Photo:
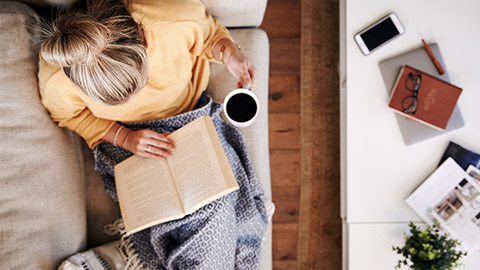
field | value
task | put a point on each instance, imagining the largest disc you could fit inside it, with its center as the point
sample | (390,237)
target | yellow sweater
(180,37)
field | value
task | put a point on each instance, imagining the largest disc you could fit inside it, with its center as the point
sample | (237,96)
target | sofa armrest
(255,45)
(244,13)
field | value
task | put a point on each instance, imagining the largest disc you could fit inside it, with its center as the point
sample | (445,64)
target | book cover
(424,98)
(418,58)
(463,156)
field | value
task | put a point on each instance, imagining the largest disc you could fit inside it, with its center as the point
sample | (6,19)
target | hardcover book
(151,192)
(423,98)
(463,156)
(418,58)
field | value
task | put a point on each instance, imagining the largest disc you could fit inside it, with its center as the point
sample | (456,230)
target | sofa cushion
(101,209)
(42,194)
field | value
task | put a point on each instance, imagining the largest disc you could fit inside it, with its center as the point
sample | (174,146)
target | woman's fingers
(154,152)
(253,75)
(160,148)
(157,152)
(248,77)
(162,144)
(242,69)
(148,143)
(159,144)
(160,140)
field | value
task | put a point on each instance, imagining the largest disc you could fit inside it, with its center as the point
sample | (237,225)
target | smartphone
(379,33)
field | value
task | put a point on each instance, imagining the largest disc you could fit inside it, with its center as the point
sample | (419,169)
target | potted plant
(429,250)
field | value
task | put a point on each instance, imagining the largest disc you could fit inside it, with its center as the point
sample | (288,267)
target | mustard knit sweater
(180,37)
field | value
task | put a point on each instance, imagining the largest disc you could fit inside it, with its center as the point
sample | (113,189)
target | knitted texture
(224,234)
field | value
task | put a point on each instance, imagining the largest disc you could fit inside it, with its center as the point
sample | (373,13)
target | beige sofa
(52,203)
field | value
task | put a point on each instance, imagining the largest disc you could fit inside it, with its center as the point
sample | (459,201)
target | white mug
(241,107)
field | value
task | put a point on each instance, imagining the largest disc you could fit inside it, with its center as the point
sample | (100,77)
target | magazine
(451,197)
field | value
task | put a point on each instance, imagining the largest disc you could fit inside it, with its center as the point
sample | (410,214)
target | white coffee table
(378,170)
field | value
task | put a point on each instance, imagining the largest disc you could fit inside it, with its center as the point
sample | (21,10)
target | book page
(146,193)
(198,174)
(452,198)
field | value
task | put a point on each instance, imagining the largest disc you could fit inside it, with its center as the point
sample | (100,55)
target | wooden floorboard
(282,24)
(304,133)
(284,55)
(285,247)
(284,92)
(319,242)
(287,166)
(282,19)
(284,130)
(286,200)
(284,264)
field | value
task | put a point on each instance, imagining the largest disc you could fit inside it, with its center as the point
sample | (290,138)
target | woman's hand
(148,143)
(239,66)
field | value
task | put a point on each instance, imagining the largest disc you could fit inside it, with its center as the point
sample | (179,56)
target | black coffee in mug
(241,107)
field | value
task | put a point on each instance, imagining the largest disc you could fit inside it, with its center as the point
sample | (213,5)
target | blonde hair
(100,49)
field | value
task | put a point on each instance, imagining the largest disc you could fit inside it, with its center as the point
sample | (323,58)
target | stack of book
(451,196)
(432,94)
(423,98)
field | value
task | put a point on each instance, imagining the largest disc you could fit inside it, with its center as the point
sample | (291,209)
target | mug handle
(245,86)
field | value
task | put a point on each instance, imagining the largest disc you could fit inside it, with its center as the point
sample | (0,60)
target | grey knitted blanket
(225,234)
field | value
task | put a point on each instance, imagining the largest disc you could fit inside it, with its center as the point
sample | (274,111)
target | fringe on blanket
(115,255)
(128,253)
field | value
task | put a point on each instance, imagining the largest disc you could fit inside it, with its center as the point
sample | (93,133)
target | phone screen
(379,34)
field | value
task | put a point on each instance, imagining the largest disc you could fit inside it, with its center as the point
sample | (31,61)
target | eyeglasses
(413,82)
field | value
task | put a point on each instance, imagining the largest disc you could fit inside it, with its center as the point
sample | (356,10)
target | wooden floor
(304,133)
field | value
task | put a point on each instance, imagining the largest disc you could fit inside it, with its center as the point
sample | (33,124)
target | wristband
(125,139)
(116,135)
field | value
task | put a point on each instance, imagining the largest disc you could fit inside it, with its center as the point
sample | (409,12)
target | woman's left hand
(239,66)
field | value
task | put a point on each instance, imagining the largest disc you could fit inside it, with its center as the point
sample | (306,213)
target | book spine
(412,118)
(392,91)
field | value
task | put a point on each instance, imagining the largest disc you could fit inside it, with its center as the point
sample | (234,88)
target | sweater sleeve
(59,96)
(217,32)
(91,128)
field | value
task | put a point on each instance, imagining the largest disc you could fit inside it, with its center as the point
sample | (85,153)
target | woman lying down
(123,75)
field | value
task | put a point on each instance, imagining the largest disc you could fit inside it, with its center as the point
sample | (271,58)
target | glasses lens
(409,105)
(413,82)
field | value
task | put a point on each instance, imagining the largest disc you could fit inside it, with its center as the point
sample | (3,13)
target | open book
(151,192)
(451,197)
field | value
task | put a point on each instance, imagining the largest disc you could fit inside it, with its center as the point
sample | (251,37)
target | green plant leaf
(428,249)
